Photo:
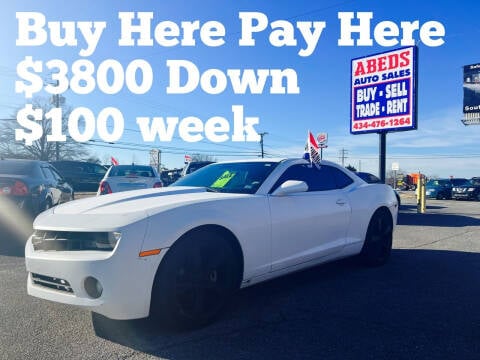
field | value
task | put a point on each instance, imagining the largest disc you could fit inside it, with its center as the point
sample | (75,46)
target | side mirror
(291,187)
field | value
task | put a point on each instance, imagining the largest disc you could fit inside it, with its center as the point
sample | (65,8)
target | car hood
(113,211)
(434,187)
(466,186)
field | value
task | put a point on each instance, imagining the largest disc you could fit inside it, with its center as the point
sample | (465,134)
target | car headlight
(48,240)
(471,189)
(108,243)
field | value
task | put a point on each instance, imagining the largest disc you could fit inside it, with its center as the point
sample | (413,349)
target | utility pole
(57,100)
(155,159)
(343,155)
(261,142)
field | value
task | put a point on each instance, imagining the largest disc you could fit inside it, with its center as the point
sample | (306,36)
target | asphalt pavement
(424,304)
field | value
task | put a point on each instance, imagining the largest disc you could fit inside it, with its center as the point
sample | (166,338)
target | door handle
(341,202)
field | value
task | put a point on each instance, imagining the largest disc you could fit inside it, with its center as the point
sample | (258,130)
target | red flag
(312,148)
(113,161)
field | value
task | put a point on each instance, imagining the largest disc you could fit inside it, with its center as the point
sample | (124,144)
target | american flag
(113,161)
(312,149)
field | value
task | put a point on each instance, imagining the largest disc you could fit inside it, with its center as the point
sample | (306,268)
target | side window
(48,173)
(342,180)
(317,179)
(84,168)
(294,172)
(99,169)
(56,175)
(322,179)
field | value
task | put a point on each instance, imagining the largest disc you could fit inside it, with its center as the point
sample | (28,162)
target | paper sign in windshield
(223,180)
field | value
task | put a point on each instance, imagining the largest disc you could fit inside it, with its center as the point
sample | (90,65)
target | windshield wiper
(211,189)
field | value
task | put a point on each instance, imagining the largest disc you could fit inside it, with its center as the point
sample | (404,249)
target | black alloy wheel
(194,281)
(378,240)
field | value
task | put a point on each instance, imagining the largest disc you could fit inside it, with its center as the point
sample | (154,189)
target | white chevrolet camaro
(179,253)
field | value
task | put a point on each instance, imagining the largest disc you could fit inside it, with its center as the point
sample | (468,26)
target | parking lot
(424,304)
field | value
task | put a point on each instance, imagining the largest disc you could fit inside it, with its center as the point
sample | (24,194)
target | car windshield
(437,182)
(475,182)
(242,178)
(16,167)
(132,170)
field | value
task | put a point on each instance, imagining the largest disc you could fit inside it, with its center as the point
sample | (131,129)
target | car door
(308,225)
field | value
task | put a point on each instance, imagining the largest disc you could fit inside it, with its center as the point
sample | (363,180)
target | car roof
(279,160)
(127,166)
(25,162)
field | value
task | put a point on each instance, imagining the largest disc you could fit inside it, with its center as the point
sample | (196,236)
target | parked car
(179,253)
(372,179)
(194,166)
(170,176)
(82,175)
(442,188)
(34,186)
(468,191)
(129,177)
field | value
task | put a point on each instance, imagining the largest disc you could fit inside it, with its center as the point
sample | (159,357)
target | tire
(378,240)
(47,205)
(195,281)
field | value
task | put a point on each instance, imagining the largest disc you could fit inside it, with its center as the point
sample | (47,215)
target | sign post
(395,168)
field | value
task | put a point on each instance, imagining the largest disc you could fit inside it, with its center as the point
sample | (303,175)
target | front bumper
(125,277)
(431,195)
(464,196)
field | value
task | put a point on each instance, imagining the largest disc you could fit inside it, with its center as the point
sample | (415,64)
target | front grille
(52,283)
(72,241)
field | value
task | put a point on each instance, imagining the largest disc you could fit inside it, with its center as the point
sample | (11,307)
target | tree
(351,168)
(93,159)
(203,157)
(40,149)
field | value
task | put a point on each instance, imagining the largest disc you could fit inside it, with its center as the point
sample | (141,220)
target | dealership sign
(322,139)
(471,94)
(383,92)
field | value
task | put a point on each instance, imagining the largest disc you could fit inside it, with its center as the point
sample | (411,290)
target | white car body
(277,235)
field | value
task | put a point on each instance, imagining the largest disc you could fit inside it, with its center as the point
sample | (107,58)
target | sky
(441,146)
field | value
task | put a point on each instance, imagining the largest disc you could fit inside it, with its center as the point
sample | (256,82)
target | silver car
(129,177)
